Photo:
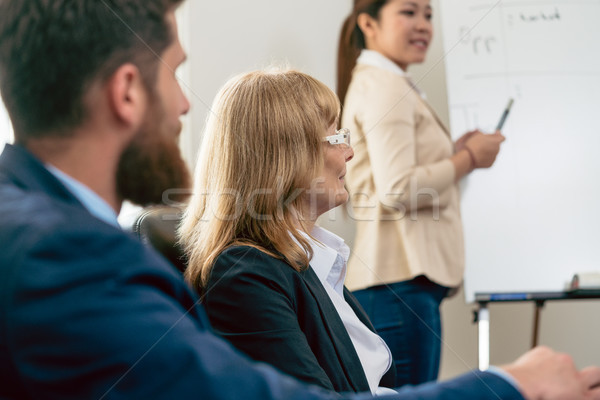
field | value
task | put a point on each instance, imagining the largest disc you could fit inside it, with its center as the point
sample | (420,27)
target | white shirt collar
(325,251)
(90,200)
(376,59)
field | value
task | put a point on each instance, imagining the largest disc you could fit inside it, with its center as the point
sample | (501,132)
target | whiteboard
(533,219)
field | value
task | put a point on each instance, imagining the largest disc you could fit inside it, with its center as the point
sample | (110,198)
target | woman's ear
(128,97)
(367,24)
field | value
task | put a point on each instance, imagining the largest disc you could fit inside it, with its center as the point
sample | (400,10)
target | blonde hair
(262,146)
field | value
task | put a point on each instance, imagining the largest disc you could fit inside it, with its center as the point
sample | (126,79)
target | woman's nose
(349,153)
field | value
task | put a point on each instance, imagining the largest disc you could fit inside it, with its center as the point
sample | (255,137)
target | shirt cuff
(504,375)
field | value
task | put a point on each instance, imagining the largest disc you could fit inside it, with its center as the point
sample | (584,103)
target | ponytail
(352,41)
(347,54)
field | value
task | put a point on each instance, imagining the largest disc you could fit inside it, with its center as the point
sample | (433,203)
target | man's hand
(544,374)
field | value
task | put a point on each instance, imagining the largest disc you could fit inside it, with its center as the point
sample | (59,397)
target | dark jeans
(407,316)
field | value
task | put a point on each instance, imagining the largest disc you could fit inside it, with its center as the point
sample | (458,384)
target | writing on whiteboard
(480,43)
(483,43)
(541,16)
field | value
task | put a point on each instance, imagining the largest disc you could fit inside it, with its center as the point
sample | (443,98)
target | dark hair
(352,41)
(51,51)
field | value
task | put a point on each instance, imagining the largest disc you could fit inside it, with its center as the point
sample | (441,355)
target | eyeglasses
(342,136)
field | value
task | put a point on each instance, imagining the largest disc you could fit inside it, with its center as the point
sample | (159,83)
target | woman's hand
(475,149)
(460,143)
(482,147)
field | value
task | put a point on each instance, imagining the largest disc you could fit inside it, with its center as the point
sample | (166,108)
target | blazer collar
(23,168)
(389,378)
(358,310)
(438,120)
(374,59)
(339,336)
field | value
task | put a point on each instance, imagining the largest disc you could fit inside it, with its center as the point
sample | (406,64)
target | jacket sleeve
(474,385)
(79,330)
(88,316)
(250,302)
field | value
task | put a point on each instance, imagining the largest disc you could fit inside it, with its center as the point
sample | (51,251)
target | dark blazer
(87,312)
(283,317)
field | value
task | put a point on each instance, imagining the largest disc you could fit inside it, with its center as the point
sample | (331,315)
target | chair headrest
(157,226)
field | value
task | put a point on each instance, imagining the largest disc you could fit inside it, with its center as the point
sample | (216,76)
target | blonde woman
(270,164)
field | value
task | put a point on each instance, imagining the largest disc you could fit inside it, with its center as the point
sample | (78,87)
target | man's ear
(366,23)
(128,96)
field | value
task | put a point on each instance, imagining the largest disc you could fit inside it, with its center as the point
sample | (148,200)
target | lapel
(437,119)
(358,310)
(426,105)
(389,378)
(27,172)
(337,332)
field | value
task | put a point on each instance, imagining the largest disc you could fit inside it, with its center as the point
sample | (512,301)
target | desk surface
(537,296)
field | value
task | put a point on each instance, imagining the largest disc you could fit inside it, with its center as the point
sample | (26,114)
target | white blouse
(330,256)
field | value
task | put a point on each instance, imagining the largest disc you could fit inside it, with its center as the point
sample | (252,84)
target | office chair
(157,226)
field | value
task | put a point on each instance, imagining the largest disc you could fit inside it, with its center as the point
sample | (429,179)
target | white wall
(231,37)
(5,127)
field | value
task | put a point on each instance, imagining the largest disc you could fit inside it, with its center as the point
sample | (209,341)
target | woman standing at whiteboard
(408,250)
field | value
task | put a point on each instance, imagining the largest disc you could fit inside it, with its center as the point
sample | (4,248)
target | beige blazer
(401,181)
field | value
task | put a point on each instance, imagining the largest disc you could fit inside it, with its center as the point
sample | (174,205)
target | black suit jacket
(283,317)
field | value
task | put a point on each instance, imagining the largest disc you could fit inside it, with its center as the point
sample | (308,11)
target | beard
(151,169)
